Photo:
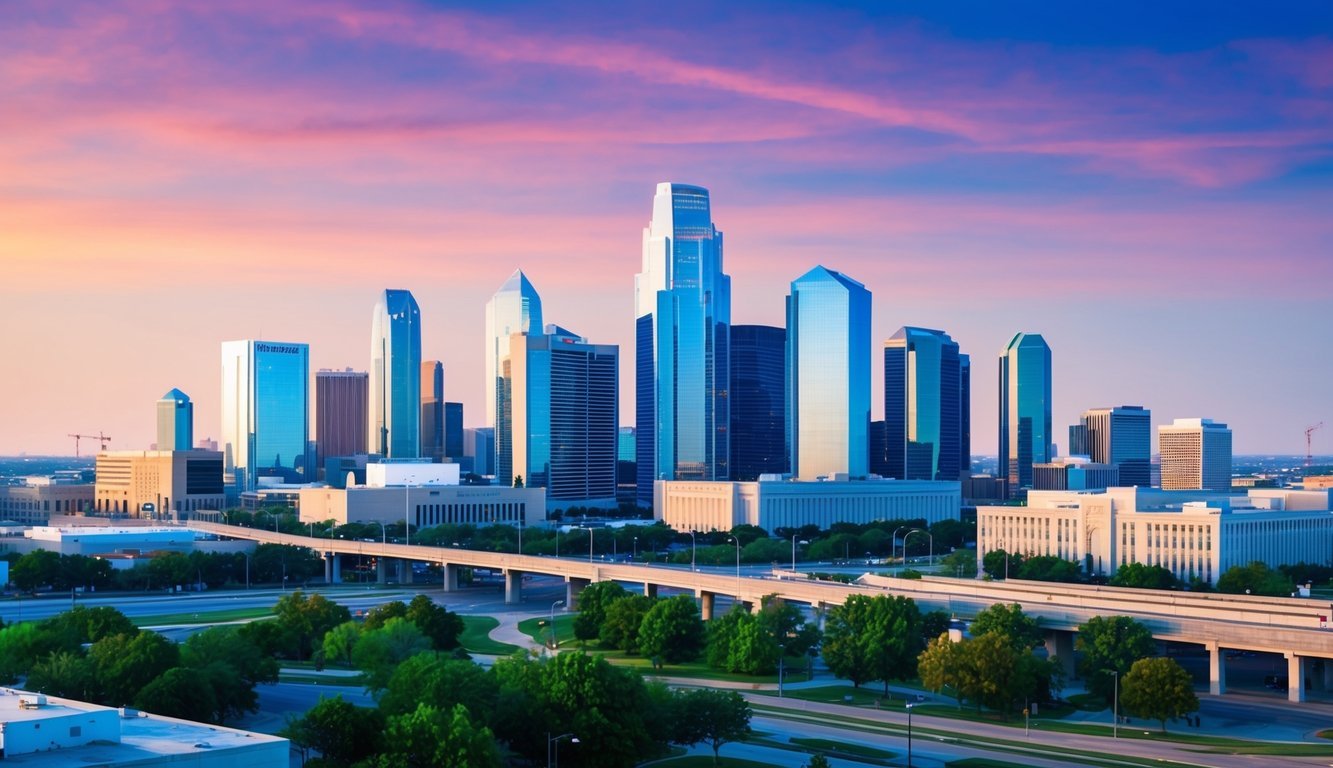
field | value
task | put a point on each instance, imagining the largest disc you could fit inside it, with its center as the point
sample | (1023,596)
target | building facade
(924,403)
(1074,473)
(772,504)
(175,422)
(342,411)
(828,375)
(453,431)
(758,401)
(479,445)
(1120,436)
(682,301)
(425,506)
(1025,410)
(1196,454)
(395,376)
(432,410)
(964,415)
(162,485)
(37,499)
(265,411)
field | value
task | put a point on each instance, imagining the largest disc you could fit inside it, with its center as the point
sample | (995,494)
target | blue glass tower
(395,376)
(758,401)
(964,415)
(828,375)
(1025,410)
(265,411)
(175,422)
(923,405)
(682,301)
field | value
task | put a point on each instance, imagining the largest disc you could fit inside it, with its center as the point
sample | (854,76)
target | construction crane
(99,437)
(1310,430)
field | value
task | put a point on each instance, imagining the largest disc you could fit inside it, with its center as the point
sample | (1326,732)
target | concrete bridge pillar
(573,588)
(328,567)
(1217,668)
(650,590)
(1060,646)
(1327,665)
(404,571)
(450,573)
(337,561)
(381,570)
(1295,678)
(705,604)
(513,587)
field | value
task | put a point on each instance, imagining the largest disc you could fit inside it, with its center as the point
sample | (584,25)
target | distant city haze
(1149,194)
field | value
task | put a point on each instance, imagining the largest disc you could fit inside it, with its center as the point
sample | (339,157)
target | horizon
(1148,191)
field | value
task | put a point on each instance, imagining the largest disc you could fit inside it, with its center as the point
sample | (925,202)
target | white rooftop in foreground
(63,733)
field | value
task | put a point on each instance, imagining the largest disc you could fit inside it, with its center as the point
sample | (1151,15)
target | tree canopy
(1110,644)
(1158,689)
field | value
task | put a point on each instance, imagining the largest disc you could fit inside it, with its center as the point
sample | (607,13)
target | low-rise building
(108,540)
(1193,534)
(159,484)
(425,506)
(33,502)
(51,732)
(773,502)
(1074,473)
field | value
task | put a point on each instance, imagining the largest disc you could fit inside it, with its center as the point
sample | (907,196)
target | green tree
(592,604)
(22,644)
(377,616)
(993,563)
(92,624)
(380,651)
(940,666)
(67,674)
(875,638)
(441,626)
(1110,644)
(518,481)
(308,618)
(1255,578)
(961,563)
(442,682)
(231,665)
(1048,568)
(126,664)
(340,642)
(1158,689)
(429,737)
(934,624)
(1010,621)
(818,761)
(785,625)
(1140,576)
(39,568)
(672,631)
(711,716)
(180,692)
(623,619)
(341,732)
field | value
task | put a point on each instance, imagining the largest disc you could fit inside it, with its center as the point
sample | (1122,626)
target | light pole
(737,542)
(553,747)
(895,543)
(554,605)
(694,549)
(635,557)
(407,518)
(910,706)
(793,549)
(1115,705)
(247,569)
(589,530)
(932,543)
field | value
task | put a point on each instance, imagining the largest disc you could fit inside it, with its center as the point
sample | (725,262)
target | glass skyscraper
(924,403)
(515,308)
(965,416)
(432,410)
(758,401)
(175,422)
(828,375)
(1025,409)
(265,411)
(1121,436)
(682,310)
(341,413)
(395,376)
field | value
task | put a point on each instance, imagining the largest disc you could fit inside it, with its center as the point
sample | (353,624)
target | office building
(682,310)
(424,506)
(515,308)
(924,403)
(432,410)
(1120,436)
(160,485)
(828,375)
(879,448)
(1025,410)
(395,376)
(265,411)
(453,431)
(479,445)
(773,504)
(38,498)
(175,422)
(1193,534)
(342,412)
(1196,454)
(559,428)
(758,401)
(964,415)
(1078,440)
(1074,473)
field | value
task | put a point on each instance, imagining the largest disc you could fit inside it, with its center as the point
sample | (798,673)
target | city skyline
(1148,194)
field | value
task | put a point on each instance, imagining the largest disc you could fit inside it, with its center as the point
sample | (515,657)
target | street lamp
(737,542)
(895,542)
(1115,705)
(589,530)
(694,549)
(247,569)
(553,747)
(635,557)
(910,706)
(793,548)
(407,517)
(554,605)
(932,543)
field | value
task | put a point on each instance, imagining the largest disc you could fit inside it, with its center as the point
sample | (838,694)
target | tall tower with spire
(395,376)
(515,308)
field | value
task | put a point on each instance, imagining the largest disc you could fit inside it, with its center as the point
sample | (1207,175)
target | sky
(1149,186)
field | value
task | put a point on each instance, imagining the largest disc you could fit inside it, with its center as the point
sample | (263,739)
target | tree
(180,692)
(380,651)
(441,626)
(818,761)
(22,644)
(1110,644)
(940,666)
(126,664)
(377,616)
(1255,578)
(518,481)
(934,624)
(429,737)
(1158,689)
(340,642)
(1140,576)
(67,674)
(623,618)
(1048,568)
(961,563)
(592,604)
(711,716)
(231,665)
(308,618)
(341,732)
(672,630)
(442,682)
(38,568)
(1010,621)
(993,563)
(875,638)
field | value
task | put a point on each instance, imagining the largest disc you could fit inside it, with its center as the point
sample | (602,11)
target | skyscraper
(828,375)
(265,411)
(479,445)
(515,308)
(924,405)
(453,431)
(758,401)
(395,376)
(1196,455)
(175,422)
(1025,409)
(432,410)
(1121,436)
(341,413)
(964,416)
(682,310)
(562,417)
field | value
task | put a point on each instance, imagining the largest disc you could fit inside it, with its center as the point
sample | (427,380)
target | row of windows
(480,512)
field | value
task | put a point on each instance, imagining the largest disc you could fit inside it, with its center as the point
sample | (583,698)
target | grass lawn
(205,617)
(1325,734)
(535,628)
(706,761)
(476,637)
(873,697)
(842,749)
(690,669)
